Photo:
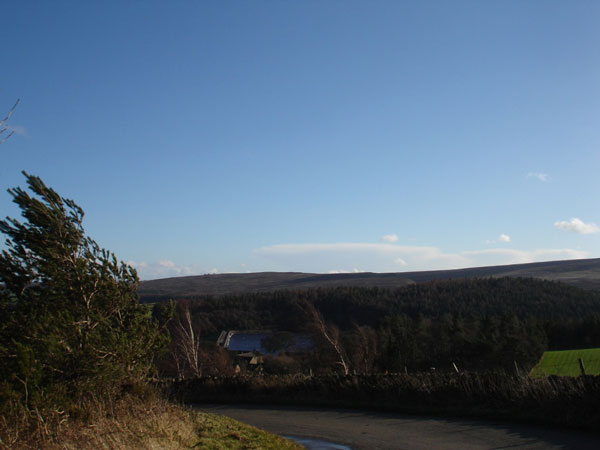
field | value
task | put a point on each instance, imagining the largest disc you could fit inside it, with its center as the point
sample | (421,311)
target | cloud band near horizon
(360,257)
(385,257)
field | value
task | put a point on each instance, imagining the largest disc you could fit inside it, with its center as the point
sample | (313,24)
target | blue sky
(330,136)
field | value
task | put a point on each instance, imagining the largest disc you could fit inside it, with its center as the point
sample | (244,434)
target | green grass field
(566,363)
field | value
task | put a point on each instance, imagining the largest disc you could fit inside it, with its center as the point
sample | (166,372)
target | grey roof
(251,341)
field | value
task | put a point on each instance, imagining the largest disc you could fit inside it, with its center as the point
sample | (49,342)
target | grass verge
(134,424)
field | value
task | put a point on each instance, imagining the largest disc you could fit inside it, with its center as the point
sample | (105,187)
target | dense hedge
(562,401)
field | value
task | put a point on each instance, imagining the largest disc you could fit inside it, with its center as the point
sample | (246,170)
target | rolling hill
(584,273)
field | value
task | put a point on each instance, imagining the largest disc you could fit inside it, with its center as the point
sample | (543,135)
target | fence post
(581,366)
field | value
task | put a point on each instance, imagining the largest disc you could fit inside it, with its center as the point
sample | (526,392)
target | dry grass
(132,424)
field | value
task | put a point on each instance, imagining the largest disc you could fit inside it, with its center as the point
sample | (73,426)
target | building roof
(251,341)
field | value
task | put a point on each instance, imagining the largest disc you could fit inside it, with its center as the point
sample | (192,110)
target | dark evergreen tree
(70,321)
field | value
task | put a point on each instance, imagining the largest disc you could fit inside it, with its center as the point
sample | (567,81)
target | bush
(280,365)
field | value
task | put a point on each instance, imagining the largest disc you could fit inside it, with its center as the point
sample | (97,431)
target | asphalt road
(372,430)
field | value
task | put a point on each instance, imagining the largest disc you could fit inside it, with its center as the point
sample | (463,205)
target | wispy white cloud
(361,257)
(167,264)
(389,238)
(538,175)
(393,258)
(577,226)
(165,269)
(355,270)
(501,256)
(347,256)
(16,129)
(502,238)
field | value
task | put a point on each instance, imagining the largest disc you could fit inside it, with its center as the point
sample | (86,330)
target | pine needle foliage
(70,322)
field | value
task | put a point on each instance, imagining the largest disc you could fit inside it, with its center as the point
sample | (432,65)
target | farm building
(263,342)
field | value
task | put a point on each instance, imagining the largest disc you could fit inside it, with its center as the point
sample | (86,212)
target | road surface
(367,430)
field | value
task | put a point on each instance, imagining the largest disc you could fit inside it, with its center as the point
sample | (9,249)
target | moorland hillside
(584,273)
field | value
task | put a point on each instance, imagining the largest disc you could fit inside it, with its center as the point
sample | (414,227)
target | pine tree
(70,320)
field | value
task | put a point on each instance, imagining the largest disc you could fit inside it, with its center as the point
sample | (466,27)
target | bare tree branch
(328,332)
(188,341)
(3,126)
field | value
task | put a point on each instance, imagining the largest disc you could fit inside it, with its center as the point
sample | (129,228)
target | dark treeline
(476,324)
